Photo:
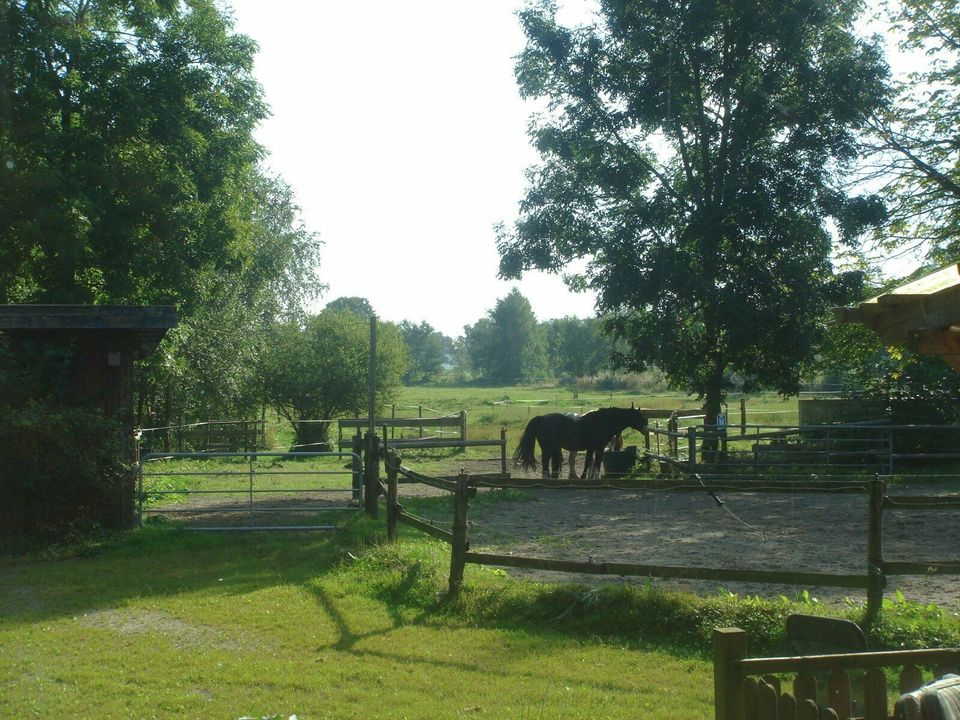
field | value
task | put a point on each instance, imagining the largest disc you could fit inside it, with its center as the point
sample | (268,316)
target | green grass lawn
(165,623)
(161,622)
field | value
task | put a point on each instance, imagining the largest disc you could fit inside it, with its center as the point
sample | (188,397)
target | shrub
(61,467)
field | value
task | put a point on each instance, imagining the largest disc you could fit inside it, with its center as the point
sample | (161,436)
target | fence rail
(872,579)
(819,449)
(748,688)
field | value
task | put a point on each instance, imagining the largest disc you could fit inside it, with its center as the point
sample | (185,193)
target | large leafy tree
(508,345)
(129,174)
(427,348)
(319,370)
(577,346)
(918,138)
(692,152)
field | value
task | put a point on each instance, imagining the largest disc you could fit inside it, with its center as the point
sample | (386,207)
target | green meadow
(163,622)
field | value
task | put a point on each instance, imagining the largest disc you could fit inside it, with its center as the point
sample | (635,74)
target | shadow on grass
(170,561)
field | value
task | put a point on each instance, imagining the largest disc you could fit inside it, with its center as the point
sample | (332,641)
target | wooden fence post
(503,451)
(458,552)
(463,429)
(743,416)
(356,448)
(392,461)
(875,574)
(692,448)
(729,647)
(371,473)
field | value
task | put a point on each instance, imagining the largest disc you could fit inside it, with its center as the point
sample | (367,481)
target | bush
(61,467)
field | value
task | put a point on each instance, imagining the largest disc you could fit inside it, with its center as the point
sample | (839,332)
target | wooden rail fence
(872,579)
(752,689)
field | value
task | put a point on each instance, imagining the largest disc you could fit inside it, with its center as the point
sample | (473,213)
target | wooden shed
(923,315)
(104,341)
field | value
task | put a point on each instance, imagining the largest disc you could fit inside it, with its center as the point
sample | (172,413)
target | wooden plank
(445,421)
(875,564)
(805,687)
(787,707)
(685,484)
(441,443)
(661,414)
(935,282)
(767,700)
(750,692)
(864,661)
(940,341)
(932,567)
(875,694)
(729,648)
(690,573)
(838,692)
(423,526)
(922,502)
(911,677)
(808,710)
(461,502)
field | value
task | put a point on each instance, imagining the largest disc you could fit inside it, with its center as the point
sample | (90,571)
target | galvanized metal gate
(240,491)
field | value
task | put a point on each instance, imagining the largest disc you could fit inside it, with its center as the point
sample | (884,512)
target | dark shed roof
(147,323)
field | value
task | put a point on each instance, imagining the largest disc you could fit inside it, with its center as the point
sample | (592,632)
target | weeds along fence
(872,580)
(873,447)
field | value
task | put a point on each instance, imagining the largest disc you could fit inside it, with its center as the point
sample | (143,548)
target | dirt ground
(824,533)
(760,531)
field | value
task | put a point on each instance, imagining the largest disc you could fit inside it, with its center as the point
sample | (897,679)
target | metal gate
(241,491)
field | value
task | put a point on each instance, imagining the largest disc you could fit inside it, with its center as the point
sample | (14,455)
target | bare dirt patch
(804,532)
(800,532)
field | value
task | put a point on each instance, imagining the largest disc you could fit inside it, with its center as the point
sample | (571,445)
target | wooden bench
(748,688)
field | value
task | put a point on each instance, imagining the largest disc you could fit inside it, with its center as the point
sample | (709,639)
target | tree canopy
(319,370)
(508,345)
(427,349)
(692,153)
(129,174)
(918,136)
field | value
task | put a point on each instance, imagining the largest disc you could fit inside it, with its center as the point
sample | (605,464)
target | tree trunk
(713,399)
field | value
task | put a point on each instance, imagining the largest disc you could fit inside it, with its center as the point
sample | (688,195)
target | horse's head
(638,421)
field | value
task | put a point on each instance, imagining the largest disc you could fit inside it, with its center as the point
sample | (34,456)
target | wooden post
(646,448)
(357,467)
(729,647)
(743,416)
(875,575)
(463,428)
(458,552)
(503,451)
(392,460)
(371,474)
(692,448)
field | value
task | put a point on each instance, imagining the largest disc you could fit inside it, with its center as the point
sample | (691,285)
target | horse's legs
(572,470)
(587,459)
(558,462)
(545,458)
(597,464)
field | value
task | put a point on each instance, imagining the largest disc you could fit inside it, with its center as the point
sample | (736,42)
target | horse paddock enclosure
(798,533)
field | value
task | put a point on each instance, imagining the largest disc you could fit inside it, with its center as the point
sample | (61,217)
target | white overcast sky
(399,126)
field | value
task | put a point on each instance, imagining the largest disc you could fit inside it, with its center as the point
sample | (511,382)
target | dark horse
(590,432)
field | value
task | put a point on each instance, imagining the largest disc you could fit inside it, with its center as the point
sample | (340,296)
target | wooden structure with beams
(923,315)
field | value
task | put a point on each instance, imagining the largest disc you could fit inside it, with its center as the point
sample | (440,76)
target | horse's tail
(525,448)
